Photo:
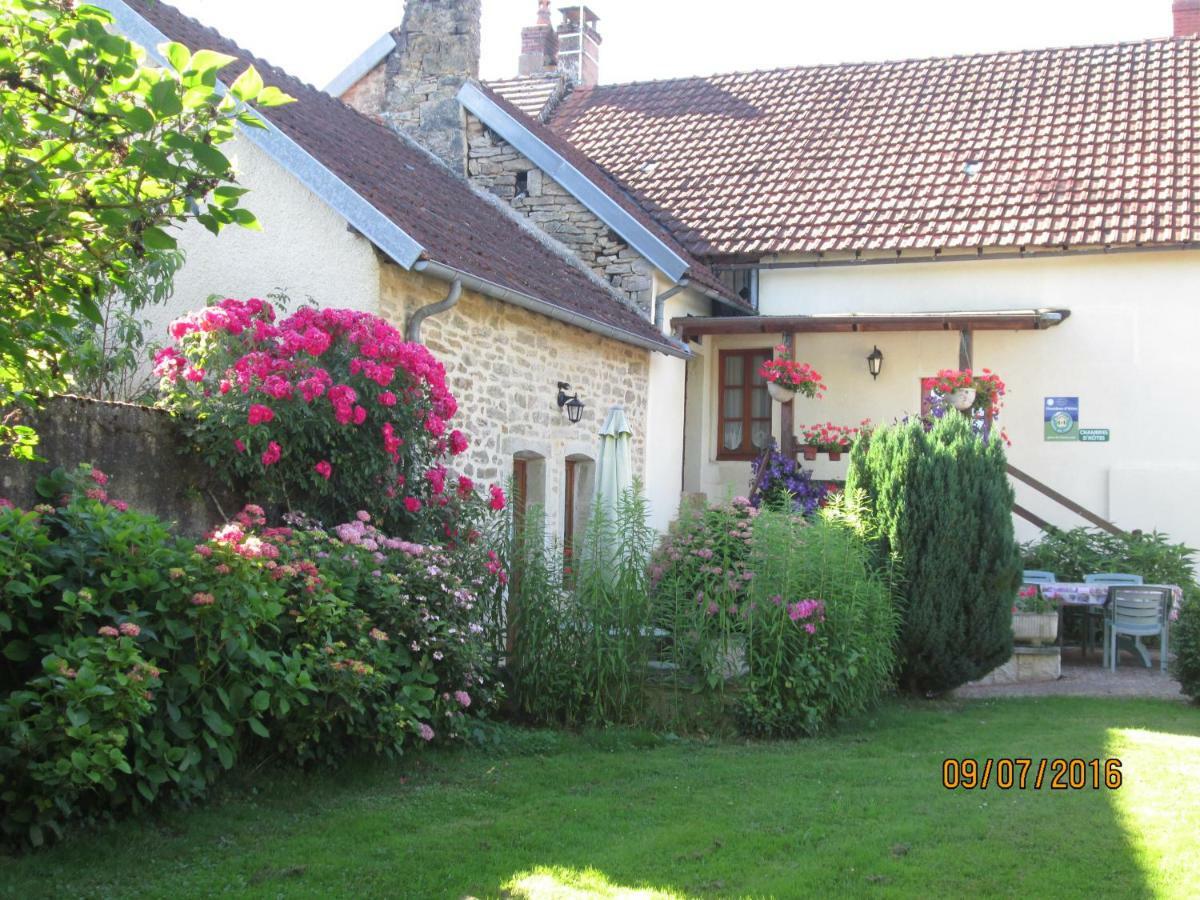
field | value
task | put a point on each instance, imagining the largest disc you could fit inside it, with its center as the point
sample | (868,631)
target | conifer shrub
(941,507)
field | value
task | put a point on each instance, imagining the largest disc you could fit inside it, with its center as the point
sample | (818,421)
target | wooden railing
(1061,499)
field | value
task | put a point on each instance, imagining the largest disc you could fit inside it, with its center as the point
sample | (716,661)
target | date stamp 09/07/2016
(1007,774)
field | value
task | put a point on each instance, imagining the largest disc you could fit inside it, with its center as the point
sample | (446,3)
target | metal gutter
(385,234)
(660,302)
(363,63)
(689,327)
(412,333)
(579,185)
(666,346)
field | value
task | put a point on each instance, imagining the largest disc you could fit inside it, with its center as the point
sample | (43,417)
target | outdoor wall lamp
(573,404)
(875,362)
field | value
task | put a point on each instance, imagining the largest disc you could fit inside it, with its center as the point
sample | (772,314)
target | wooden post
(787,412)
(966,348)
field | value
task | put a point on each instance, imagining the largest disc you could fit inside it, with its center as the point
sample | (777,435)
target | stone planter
(1035,628)
(962,399)
(779,393)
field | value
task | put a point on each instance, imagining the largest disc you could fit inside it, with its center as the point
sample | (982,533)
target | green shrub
(784,619)
(820,628)
(941,505)
(1072,554)
(138,666)
(1185,643)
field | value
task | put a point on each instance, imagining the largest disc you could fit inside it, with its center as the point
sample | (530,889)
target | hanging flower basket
(786,378)
(779,393)
(962,399)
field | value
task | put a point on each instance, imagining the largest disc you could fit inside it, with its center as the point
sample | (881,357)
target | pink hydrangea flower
(425,732)
(498,498)
(108,631)
(130,630)
(387,398)
(412,504)
(463,698)
(203,599)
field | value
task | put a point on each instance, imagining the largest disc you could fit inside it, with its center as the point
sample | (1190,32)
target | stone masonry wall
(140,449)
(493,164)
(414,90)
(504,363)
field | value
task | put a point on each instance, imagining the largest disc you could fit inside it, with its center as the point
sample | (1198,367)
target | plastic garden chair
(1093,625)
(1136,612)
(1037,576)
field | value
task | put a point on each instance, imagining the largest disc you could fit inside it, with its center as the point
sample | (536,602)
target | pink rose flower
(324,469)
(260,414)
(412,504)
(271,455)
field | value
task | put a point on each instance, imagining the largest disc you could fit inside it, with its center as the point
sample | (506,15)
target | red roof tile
(1085,145)
(456,225)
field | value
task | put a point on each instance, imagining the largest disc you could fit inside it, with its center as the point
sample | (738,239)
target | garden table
(1081,594)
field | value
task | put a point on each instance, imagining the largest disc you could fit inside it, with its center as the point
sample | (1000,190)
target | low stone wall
(141,450)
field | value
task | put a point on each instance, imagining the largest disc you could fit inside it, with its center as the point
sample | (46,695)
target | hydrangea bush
(138,666)
(327,411)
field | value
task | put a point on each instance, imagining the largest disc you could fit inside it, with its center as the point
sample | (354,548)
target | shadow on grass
(862,811)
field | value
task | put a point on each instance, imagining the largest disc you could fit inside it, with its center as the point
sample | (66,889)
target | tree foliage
(99,154)
(942,507)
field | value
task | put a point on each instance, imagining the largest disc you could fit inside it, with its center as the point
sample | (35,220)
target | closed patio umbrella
(614,470)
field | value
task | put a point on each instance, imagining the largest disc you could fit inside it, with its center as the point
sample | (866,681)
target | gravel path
(1086,678)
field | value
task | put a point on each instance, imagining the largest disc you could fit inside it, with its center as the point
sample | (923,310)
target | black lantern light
(572,403)
(875,362)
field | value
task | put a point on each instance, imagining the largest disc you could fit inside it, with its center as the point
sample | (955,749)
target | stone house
(356,214)
(1030,212)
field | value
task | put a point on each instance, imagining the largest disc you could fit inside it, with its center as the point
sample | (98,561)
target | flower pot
(963,398)
(1035,628)
(779,393)
(809,451)
(834,455)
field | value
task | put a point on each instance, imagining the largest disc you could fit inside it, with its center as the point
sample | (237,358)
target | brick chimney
(579,45)
(414,89)
(1187,17)
(539,45)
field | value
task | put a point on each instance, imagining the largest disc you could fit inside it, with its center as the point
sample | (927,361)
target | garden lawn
(861,812)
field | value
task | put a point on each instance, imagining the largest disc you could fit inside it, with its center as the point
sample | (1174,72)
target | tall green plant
(942,505)
(579,648)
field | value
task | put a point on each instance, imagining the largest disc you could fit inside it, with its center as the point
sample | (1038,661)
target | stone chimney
(539,45)
(579,45)
(1187,17)
(413,91)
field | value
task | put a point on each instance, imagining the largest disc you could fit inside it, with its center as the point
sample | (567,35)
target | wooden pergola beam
(690,327)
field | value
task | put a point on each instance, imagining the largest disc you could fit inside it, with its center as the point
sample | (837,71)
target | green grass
(861,812)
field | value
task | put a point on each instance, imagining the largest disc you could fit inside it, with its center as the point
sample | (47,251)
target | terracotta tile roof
(456,225)
(1077,146)
(698,272)
(534,95)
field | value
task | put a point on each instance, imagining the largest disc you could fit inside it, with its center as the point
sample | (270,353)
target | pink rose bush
(326,410)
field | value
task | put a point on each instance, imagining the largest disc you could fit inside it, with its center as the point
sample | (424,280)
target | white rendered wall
(665,414)
(304,249)
(1129,352)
